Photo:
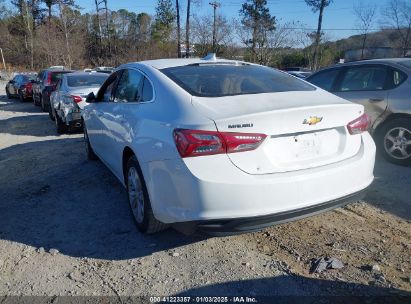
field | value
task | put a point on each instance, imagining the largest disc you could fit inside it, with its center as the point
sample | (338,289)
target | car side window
(396,78)
(147,94)
(325,79)
(106,91)
(130,86)
(364,78)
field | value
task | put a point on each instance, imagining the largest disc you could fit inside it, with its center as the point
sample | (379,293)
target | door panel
(115,121)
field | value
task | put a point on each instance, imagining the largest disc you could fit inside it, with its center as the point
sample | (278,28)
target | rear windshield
(29,77)
(86,80)
(56,76)
(217,80)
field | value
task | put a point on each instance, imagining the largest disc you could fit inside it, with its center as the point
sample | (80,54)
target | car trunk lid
(304,129)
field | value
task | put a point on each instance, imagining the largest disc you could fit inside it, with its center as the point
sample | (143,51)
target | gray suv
(383,86)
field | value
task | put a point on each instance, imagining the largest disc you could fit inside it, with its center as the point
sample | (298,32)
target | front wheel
(394,141)
(8,93)
(139,200)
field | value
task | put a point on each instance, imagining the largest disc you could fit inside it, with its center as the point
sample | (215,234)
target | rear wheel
(139,200)
(89,150)
(394,141)
(61,127)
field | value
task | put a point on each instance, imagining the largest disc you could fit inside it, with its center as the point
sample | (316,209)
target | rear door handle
(376,99)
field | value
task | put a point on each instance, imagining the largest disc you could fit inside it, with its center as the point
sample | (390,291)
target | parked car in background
(45,84)
(107,70)
(69,98)
(21,86)
(383,87)
(226,146)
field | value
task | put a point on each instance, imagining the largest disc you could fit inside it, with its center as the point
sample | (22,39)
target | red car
(21,86)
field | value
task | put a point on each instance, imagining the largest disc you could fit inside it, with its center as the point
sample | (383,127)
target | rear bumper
(197,190)
(241,225)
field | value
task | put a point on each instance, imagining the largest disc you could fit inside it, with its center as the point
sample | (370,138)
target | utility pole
(214,4)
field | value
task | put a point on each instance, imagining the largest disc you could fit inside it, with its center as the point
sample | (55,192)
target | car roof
(169,63)
(371,61)
(81,73)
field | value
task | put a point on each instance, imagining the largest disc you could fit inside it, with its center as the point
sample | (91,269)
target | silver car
(383,86)
(70,97)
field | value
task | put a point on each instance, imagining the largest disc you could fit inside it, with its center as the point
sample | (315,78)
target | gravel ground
(65,229)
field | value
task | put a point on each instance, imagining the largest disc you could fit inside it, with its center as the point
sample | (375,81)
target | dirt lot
(65,229)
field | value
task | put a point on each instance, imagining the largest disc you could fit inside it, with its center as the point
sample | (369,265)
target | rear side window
(147,94)
(217,80)
(398,77)
(364,78)
(324,79)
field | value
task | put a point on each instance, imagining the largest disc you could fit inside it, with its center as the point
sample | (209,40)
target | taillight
(77,99)
(191,143)
(359,124)
(29,86)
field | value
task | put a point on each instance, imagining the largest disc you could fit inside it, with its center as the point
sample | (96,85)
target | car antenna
(210,57)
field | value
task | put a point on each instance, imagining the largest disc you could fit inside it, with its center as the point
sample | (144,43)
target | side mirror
(91,98)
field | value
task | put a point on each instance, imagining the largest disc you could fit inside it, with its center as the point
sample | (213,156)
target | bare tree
(178,30)
(203,38)
(188,29)
(365,13)
(318,6)
(397,15)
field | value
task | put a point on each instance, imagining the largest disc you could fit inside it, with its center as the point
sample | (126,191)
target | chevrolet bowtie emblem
(313,120)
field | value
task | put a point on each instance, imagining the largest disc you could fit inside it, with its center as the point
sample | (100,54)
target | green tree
(256,18)
(164,21)
(318,6)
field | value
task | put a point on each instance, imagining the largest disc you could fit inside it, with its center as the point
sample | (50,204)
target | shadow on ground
(299,289)
(53,197)
(15,105)
(390,190)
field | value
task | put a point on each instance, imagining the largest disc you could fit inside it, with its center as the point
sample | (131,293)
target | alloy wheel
(135,194)
(397,143)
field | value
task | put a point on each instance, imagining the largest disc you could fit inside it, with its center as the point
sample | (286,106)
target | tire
(61,127)
(43,105)
(8,94)
(52,114)
(36,102)
(89,150)
(139,200)
(21,96)
(394,141)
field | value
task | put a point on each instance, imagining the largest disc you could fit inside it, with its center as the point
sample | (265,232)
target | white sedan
(226,146)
